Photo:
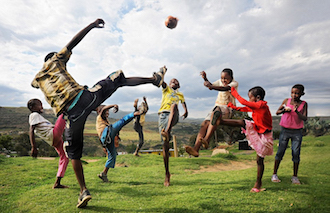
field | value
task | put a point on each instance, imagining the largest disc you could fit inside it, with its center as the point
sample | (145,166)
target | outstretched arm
(34,150)
(209,85)
(98,23)
(104,109)
(185,115)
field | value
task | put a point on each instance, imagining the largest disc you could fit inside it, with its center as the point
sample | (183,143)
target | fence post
(175,147)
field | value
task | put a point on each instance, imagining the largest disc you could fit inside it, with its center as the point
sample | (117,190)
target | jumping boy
(66,96)
(169,117)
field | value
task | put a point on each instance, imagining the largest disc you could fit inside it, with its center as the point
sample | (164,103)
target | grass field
(197,184)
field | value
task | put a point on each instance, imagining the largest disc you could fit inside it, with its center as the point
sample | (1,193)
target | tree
(316,126)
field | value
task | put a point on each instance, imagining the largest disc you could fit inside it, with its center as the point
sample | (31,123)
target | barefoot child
(108,133)
(50,133)
(169,117)
(259,131)
(294,112)
(139,122)
(220,109)
(66,96)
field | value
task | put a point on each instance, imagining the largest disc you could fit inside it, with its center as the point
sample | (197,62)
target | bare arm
(34,150)
(109,107)
(282,109)
(145,101)
(185,115)
(98,23)
(303,115)
(209,85)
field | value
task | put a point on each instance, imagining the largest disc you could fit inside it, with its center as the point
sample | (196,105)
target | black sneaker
(83,199)
(159,76)
(103,177)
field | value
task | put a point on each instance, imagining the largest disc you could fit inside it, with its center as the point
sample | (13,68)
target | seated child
(168,117)
(50,133)
(220,109)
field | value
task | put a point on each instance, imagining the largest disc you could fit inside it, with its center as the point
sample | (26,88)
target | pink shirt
(290,119)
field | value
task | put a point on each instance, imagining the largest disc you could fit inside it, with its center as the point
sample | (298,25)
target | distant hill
(15,119)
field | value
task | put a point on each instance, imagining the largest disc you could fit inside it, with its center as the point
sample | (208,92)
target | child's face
(225,78)
(252,97)
(174,84)
(38,107)
(296,94)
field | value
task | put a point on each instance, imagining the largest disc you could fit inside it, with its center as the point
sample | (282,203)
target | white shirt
(43,127)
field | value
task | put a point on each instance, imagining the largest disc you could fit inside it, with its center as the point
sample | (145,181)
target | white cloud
(275,44)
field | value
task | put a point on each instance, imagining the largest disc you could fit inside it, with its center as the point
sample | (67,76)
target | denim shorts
(163,121)
(88,101)
(296,138)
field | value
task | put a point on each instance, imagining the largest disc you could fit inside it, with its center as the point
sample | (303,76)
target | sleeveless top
(290,119)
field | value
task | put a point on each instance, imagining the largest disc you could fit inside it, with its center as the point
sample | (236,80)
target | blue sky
(273,44)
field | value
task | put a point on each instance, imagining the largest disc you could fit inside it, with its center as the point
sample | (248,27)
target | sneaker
(275,179)
(103,177)
(295,180)
(159,76)
(83,199)
(118,74)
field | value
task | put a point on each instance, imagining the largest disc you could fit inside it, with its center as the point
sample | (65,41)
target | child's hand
(99,23)
(115,108)
(184,116)
(203,74)
(144,99)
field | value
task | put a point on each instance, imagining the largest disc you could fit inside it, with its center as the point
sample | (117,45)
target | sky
(274,44)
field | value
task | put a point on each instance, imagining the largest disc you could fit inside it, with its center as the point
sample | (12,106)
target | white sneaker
(275,179)
(295,180)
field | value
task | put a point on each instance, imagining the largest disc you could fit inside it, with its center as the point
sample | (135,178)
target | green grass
(26,184)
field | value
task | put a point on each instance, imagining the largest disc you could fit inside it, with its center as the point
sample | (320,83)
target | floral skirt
(261,143)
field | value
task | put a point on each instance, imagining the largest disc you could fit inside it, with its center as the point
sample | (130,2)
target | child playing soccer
(108,132)
(259,131)
(66,96)
(50,133)
(169,117)
(209,125)
(294,113)
(139,122)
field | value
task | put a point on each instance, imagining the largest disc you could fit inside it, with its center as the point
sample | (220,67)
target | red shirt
(260,112)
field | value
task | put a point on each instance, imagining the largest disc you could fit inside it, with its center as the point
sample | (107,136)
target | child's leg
(282,145)
(62,165)
(228,122)
(260,165)
(117,126)
(172,120)
(296,147)
(112,155)
(157,79)
(58,131)
(166,154)
(214,122)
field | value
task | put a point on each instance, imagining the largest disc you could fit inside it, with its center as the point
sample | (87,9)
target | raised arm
(98,23)
(209,85)
(107,107)
(145,101)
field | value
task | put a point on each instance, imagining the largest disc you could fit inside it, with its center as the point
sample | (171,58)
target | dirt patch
(92,160)
(46,158)
(233,165)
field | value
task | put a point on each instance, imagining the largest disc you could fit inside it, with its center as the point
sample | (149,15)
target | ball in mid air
(171,22)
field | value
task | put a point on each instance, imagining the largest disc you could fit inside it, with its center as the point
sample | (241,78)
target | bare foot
(167,180)
(136,154)
(59,186)
(191,151)
(205,143)
(165,135)
(135,103)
